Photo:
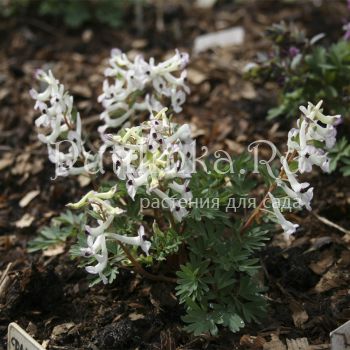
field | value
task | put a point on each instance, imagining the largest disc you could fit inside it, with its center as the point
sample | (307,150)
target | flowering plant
(160,204)
(306,70)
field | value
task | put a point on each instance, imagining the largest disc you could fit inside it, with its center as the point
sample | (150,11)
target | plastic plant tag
(340,337)
(18,339)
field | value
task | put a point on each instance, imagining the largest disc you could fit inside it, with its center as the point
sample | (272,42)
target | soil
(48,295)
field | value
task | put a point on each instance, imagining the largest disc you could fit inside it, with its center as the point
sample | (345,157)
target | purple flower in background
(346,28)
(293,50)
(348,2)
(280,80)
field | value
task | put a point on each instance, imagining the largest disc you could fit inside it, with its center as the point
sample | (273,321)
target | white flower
(179,212)
(311,111)
(98,249)
(288,227)
(176,208)
(56,119)
(152,154)
(325,134)
(183,133)
(310,156)
(296,186)
(314,128)
(101,228)
(249,66)
(137,77)
(104,207)
(182,189)
(292,143)
(302,134)
(132,183)
(303,198)
(139,240)
(122,160)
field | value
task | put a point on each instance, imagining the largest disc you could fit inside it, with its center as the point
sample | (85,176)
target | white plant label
(340,337)
(19,339)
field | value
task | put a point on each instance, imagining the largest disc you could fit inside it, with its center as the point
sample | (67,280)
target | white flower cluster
(60,127)
(307,146)
(98,236)
(315,135)
(157,155)
(131,87)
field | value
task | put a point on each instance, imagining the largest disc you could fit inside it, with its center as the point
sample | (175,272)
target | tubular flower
(98,249)
(98,235)
(93,195)
(288,227)
(315,135)
(307,146)
(60,127)
(152,155)
(139,240)
(127,82)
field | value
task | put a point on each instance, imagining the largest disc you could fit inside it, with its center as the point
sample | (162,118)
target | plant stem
(70,126)
(142,271)
(257,211)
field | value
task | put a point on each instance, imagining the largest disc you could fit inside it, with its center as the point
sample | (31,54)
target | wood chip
(61,329)
(322,265)
(274,344)
(135,316)
(5,162)
(25,221)
(252,342)
(298,344)
(299,315)
(28,198)
(84,180)
(5,280)
(55,250)
(331,279)
(82,91)
(195,76)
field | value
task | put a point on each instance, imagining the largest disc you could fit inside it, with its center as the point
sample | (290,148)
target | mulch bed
(48,295)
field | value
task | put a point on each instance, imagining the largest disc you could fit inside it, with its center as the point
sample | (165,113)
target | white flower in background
(128,87)
(288,227)
(60,128)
